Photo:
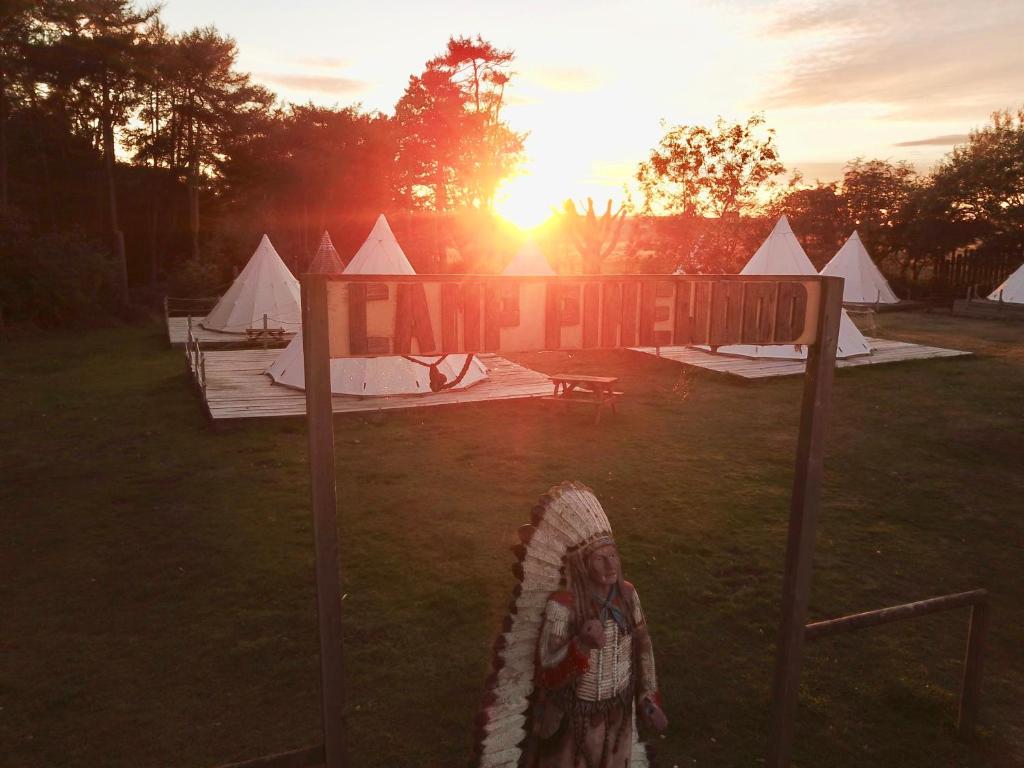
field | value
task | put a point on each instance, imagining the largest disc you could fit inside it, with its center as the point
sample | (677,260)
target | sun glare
(525,201)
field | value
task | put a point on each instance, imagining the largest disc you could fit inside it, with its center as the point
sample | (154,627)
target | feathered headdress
(567,520)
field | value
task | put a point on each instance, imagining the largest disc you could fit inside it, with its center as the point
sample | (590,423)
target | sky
(892,79)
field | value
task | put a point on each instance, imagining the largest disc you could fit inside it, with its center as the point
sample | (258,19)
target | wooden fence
(955,274)
(976,600)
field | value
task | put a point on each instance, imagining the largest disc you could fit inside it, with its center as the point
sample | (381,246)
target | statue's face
(603,566)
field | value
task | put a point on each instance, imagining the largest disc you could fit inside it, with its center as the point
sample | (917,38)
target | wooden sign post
(325,522)
(369,315)
(803,520)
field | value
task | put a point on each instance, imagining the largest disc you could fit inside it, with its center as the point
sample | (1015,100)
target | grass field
(156,577)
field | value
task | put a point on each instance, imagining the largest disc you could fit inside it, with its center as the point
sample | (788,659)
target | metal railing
(178,307)
(196,358)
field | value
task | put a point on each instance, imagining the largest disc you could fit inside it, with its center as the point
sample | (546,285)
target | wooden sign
(360,315)
(371,315)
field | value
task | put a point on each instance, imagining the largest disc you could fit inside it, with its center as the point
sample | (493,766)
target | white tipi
(865,284)
(326,260)
(782,254)
(380,254)
(264,287)
(377,376)
(1012,289)
(529,260)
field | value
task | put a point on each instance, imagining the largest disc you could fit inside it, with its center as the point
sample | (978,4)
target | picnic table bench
(265,335)
(596,391)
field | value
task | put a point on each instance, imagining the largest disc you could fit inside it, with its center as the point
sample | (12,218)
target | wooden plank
(357,319)
(648,297)
(582,378)
(989,310)
(759,319)
(412,320)
(450,294)
(591,315)
(472,320)
(320,423)
(553,316)
(630,300)
(726,313)
(510,316)
(803,516)
(885,351)
(683,326)
(701,323)
(378,345)
(376,292)
(970,687)
(238,389)
(790,306)
(611,318)
(876,618)
(492,317)
(570,309)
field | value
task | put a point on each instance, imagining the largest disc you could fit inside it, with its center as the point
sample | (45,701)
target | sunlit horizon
(835,81)
(523,202)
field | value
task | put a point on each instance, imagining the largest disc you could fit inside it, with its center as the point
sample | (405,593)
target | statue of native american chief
(573,666)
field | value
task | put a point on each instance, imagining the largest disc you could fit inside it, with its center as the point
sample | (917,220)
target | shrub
(196,278)
(54,280)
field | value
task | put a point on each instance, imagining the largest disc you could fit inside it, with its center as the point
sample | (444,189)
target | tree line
(153,153)
(720,188)
(132,156)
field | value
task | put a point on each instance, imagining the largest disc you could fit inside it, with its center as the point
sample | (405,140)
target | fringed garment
(586,702)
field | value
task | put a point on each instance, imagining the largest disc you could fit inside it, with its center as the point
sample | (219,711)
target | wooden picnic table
(266,335)
(598,391)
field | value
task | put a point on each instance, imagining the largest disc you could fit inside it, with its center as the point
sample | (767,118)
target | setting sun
(308,318)
(525,201)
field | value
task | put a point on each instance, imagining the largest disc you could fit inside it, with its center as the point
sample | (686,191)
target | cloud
(798,18)
(319,83)
(518,100)
(947,140)
(923,59)
(572,79)
(820,171)
(322,62)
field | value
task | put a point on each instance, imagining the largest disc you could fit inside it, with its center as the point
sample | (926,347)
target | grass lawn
(156,577)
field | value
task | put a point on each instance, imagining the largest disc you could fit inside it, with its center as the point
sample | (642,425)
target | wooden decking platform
(989,310)
(177,335)
(885,351)
(903,305)
(233,386)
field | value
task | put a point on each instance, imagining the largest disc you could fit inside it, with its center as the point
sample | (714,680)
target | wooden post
(264,331)
(803,516)
(320,421)
(970,688)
